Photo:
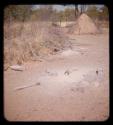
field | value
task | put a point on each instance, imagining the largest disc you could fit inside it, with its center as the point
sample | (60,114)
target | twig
(26,86)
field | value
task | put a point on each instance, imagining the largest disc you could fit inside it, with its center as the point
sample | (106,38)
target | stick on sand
(26,86)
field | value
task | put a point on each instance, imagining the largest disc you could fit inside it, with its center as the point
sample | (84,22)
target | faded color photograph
(56,62)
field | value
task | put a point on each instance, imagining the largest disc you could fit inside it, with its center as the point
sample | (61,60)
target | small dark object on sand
(66,72)
(97,72)
(56,50)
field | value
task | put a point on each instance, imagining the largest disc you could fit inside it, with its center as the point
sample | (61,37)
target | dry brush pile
(28,40)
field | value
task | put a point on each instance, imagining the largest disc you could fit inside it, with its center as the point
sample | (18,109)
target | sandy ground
(70,89)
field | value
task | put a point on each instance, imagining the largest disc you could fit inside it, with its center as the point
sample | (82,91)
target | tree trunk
(76,11)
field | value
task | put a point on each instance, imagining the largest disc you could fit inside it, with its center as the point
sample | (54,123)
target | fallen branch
(17,68)
(26,86)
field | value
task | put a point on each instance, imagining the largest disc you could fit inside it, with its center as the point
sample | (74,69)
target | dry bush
(24,41)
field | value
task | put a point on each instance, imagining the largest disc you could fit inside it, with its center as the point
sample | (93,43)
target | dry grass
(102,24)
(24,41)
(29,40)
